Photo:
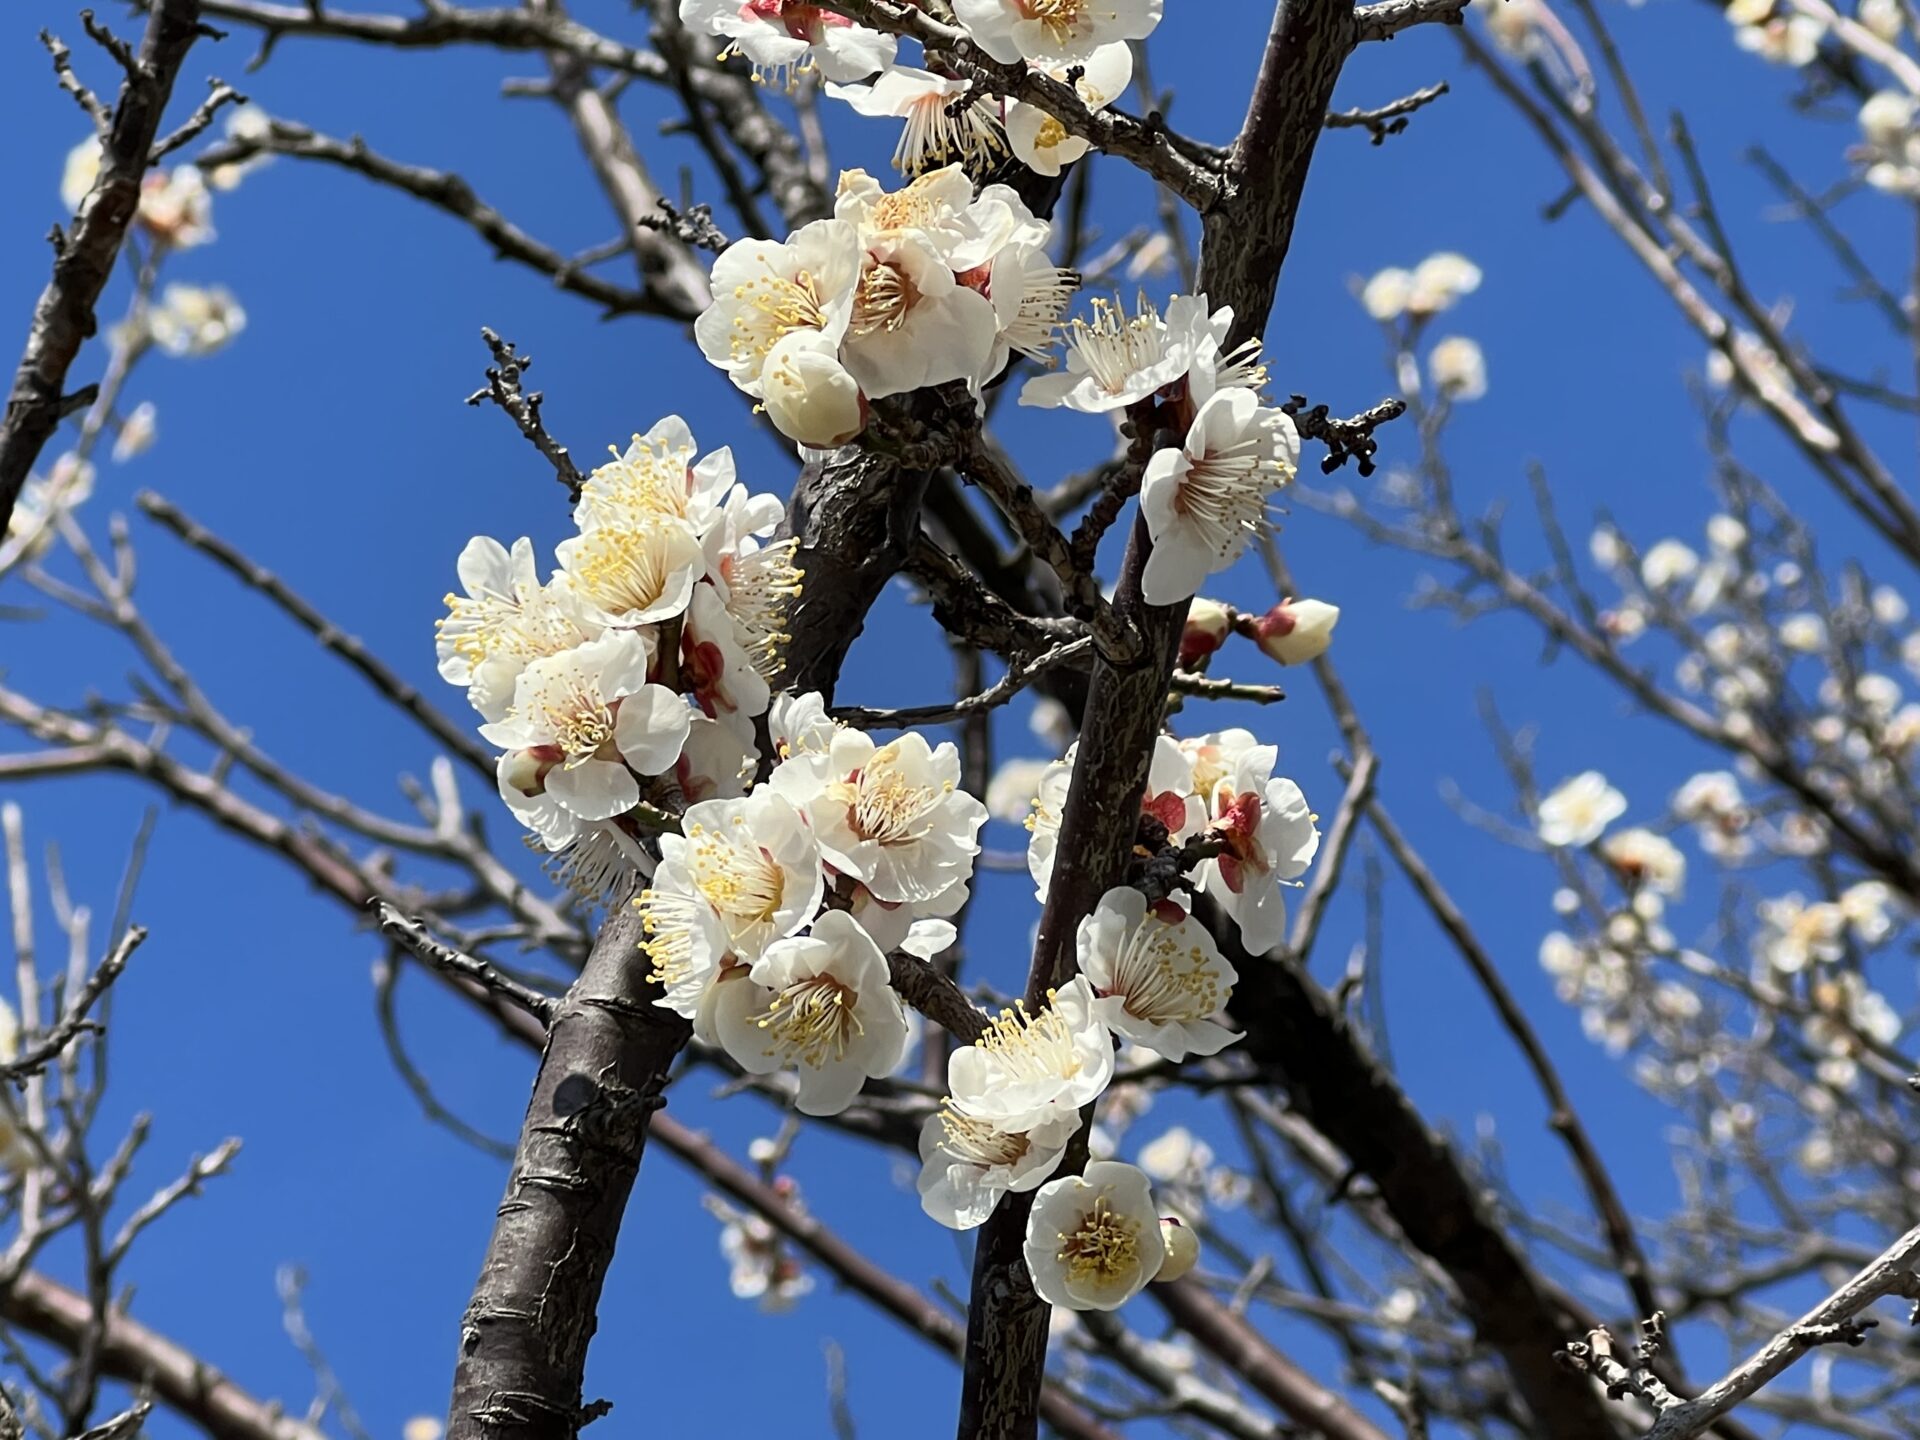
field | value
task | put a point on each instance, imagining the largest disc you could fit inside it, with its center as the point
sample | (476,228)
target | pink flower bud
(1294,631)
(1208,625)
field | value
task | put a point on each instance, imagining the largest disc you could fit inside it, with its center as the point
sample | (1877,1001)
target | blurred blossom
(1641,857)
(762,1267)
(1458,368)
(1804,633)
(176,207)
(1667,563)
(1882,17)
(1051,722)
(245,122)
(1176,1157)
(1440,280)
(1385,295)
(1889,605)
(1011,792)
(193,320)
(136,432)
(1775,32)
(1606,548)
(1512,25)
(66,486)
(1726,534)
(1794,934)
(1577,812)
(422,1427)
(82,168)
(1892,149)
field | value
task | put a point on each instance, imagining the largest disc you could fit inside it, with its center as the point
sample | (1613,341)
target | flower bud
(1294,631)
(809,395)
(524,770)
(1182,1247)
(1208,624)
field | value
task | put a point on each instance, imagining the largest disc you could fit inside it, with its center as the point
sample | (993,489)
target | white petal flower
(741,875)
(1031,1069)
(1029,294)
(1458,368)
(1159,976)
(1385,296)
(506,620)
(714,764)
(1440,280)
(1093,1240)
(756,578)
(943,127)
(1039,140)
(1206,500)
(1116,360)
(891,816)
(176,208)
(937,209)
(521,776)
(592,708)
(821,1004)
(1270,837)
(800,725)
(195,320)
(633,574)
(761,1266)
(1050,31)
(1643,858)
(967,1164)
(1579,810)
(1668,563)
(764,291)
(784,39)
(657,479)
(914,325)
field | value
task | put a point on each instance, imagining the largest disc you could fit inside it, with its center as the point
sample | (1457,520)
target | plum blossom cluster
(629,677)
(1405,300)
(900,290)
(946,120)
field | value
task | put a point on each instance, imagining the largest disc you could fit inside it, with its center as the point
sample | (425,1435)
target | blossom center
(1102,1247)
(813,1021)
(884,299)
(775,306)
(974,1141)
(1223,494)
(739,879)
(886,807)
(623,568)
(1113,348)
(1161,980)
(1032,1047)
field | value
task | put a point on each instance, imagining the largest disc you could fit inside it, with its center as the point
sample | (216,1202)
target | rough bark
(1244,245)
(523,1341)
(1336,1083)
(84,258)
(145,1359)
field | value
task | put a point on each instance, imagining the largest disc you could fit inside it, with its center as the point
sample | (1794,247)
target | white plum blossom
(1668,563)
(631,574)
(1093,1241)
(891,816)
(1159,976)
(944,126)
(1385,295)
(1892,149)
(1171,798)
(591,710)
(967,1164)
(822,1005)
(195,320)
(800,725)
(1182,1249)
(766,290)
(1038,139)
(1027,1069)
(1458,368)
(506,620)
(176,207)
(1776,33)
(913,324)
(1115,359)
(740,875)
(1579,810)
(1049,31)
(1204,501)
(657,478)
(1270,837)
(1439,281)
(713,764)
(760,1265)
(1643,858)
(784,39)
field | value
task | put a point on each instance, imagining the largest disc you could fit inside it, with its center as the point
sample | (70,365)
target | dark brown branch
(140,1357)
(452,194)
(1388,18)
(504,388)
(523,1341)
(931,991)
(84,259)
(1389,119)
(1246,235)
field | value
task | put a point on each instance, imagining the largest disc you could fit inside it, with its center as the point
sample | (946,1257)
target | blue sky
(330,443)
